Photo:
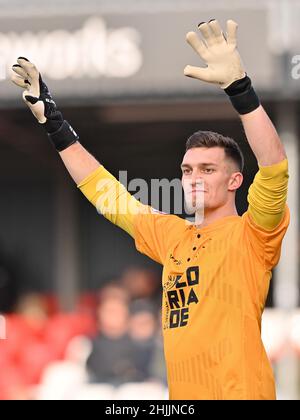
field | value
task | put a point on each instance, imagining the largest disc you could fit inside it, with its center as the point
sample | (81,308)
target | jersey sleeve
(112,199)
(153,231)
(268,216)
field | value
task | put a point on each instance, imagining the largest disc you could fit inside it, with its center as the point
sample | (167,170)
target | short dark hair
(211,139)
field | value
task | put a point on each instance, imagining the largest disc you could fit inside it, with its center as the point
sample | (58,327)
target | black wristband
(243,96)
(63,137)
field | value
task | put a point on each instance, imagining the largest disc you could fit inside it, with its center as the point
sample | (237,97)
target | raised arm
(226,70)
(268,193)
(263,137)
(79,162)
(99,186)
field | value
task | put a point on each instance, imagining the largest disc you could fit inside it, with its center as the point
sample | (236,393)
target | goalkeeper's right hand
(38,98)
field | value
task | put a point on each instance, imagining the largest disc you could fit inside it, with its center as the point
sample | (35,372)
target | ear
(235,181)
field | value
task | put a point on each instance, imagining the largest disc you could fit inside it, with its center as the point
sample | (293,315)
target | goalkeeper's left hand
(224,64)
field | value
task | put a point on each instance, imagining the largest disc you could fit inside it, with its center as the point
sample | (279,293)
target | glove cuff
(243,96)
(51,126)
(63,137)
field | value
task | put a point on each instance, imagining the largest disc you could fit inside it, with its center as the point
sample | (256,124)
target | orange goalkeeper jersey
(215,283)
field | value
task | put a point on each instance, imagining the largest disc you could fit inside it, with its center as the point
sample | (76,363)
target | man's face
(208,178)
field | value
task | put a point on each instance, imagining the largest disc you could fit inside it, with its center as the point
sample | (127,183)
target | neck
(211,215)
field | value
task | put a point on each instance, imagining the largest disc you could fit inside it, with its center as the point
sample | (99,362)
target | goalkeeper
(217,270)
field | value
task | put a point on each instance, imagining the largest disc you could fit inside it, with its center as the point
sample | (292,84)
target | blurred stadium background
(115,67)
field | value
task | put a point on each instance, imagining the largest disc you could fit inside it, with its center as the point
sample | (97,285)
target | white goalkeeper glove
(36,94)
(38,98)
